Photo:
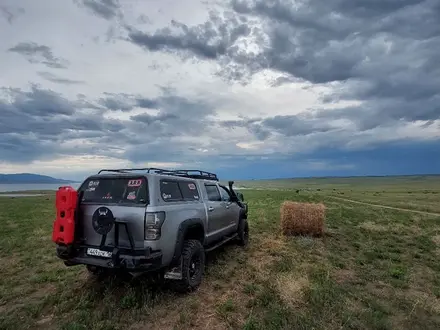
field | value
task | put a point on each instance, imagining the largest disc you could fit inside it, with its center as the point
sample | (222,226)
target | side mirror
(240,196)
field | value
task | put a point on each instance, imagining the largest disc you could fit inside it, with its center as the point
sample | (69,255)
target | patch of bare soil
(11,261)
(369,225)
(45,322)
(355,306)
(380,289)
(422,299)
(272,244)
(42,292)
(344,276)
(436,240)
(196,311)
(291,288)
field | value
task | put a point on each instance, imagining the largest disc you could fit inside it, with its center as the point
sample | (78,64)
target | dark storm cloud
(38,121)
(288,126)
(37,102)
(150,119)
(36,53)
(160,149)
(253,125)
(177,116)
(170,106)
(210,40)
(384,53)
(106,9)
(40,118)
(55,79)
(18,148)
(294,125)
(121,102)
(147,103)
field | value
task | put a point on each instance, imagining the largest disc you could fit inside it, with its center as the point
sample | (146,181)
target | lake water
(33,187)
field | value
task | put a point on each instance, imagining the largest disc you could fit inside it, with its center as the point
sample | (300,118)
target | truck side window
(224,194)
(170,191)
(189,190)
(213,193)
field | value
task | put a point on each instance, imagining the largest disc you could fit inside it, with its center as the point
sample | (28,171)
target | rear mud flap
(175,273)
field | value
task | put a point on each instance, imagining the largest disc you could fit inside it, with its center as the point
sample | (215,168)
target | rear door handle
(210,209)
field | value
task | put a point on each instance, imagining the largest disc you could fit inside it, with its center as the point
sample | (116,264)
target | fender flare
(184,227)
(244,212)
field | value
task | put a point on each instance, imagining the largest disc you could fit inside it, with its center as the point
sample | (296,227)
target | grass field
(375,268)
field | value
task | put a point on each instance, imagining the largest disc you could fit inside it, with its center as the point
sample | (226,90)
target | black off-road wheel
(243,232)
(193,264)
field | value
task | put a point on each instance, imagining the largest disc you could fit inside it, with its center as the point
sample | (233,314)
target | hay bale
(302,218)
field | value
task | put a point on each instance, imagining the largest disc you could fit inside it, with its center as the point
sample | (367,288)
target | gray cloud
(56,79)
(38,118)
(383,53)
(170,105)
(288,126)
(23,148)
(146,103)
(120,102)
(11,13)
(36,53)
(38,102)
(295,125)
(107,9)
(46,113)
(210,40)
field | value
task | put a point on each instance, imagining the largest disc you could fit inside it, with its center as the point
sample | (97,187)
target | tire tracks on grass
(386,206)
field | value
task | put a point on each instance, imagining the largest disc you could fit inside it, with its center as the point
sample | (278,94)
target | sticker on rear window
(131,195)
(93,184)
(108,196)
(134,183)
(191,186)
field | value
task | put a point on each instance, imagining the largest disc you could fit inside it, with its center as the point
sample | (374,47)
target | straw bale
(302,218)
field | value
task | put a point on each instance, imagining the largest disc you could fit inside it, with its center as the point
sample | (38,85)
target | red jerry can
(64,224)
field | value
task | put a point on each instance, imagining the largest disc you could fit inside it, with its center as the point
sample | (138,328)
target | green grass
(374,269)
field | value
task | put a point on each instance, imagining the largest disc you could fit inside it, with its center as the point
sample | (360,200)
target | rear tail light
(153,225)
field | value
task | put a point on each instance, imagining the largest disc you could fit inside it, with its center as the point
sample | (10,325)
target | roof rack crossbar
(195,174)
(123,170)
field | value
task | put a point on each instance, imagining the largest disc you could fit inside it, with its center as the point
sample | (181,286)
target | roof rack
(123,170)
(194,174)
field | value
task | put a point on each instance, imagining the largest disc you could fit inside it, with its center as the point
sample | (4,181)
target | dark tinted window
(189,190)
(170,191)
(115,190)
(213,193)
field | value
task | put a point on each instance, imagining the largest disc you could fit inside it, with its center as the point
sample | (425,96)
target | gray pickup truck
(154,220)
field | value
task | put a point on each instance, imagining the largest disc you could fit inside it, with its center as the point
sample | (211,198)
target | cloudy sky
(245,88)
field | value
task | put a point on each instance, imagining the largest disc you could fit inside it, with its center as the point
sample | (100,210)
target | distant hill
(29,178)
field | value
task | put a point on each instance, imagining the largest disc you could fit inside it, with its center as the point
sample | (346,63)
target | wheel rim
(194,266)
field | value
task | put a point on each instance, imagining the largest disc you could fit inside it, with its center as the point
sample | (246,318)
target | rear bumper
(129,259)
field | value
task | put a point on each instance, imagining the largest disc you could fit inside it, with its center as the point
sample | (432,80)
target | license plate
(98,253)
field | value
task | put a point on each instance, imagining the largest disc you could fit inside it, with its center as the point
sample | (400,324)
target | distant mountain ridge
(25,178)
